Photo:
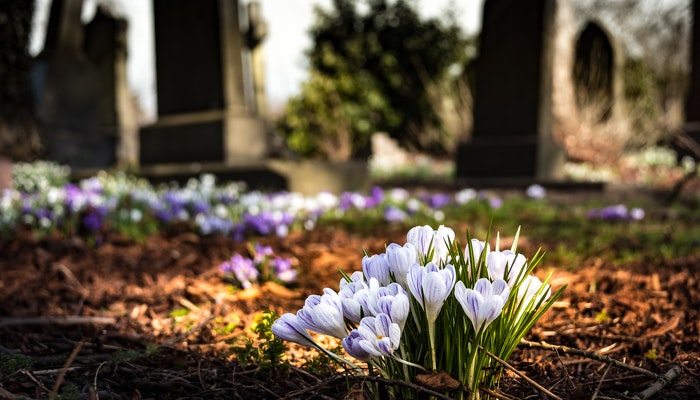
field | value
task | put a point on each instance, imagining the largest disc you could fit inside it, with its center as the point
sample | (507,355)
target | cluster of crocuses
(617,212)
(264,265)
(428,305)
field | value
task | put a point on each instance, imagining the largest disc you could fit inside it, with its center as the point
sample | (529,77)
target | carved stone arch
(595,72)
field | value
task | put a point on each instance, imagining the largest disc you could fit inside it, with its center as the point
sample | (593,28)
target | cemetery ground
(154,319)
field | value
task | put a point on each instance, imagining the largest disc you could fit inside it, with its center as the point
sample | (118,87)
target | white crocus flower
(431,285)
(400,259)
(484,303)
(380,336)
(287,327)
(377,267)
(432,245)
(391,300)
(506,265)
(324,314)
(354,297)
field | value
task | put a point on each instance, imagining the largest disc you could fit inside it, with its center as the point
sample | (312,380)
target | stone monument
(204,114)
(80,83)
(512,137)
(692,105)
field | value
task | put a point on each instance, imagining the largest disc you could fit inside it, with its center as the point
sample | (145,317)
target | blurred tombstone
(105,46)
(512,137)
(688,142)
(204,114)
(78,79)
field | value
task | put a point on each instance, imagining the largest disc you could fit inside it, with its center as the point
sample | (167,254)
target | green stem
(431,334)
(406,377)
(408,363)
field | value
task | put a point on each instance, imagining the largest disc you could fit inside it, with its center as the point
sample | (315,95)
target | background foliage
(383,69)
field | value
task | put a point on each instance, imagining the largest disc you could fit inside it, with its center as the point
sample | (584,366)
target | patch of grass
(11,363)
(267,351)
(179,312)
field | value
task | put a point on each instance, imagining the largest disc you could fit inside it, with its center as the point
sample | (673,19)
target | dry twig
(64,370)
(520,374)
(389,382)
(600,382)
(588,354)
(67,320)
(663,380)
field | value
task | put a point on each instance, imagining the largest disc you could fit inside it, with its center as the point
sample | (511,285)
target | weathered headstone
(80,80)
(69,97)
(106,47)
(692,105)
(512,136)
(203,112)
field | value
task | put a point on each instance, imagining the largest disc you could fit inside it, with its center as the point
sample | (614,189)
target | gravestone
(203,112)
(692,104)
(76,80)
(512,136)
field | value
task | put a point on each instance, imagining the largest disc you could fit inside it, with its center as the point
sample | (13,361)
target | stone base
(518,159)
(81,151)
(245,139)
(310,177)
(208,136)
(186,143)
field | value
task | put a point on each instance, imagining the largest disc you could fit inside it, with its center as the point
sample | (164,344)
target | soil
(144,320)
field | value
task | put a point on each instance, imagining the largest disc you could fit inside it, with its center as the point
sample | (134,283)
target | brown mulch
(130,320)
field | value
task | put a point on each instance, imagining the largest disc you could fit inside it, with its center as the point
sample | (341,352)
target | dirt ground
(130,320)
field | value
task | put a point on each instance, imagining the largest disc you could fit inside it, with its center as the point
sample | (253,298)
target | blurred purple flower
(242,269)
(283,269)
(93,220)
(394,214)
(439,200)
(616,212)
(375,197)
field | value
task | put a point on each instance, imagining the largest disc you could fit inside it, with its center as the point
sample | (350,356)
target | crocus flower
(283,269)
(324,314)
(376,266)
(505,265)
(242,269)
(431,285)
(391,300)
(354,297)
(484,303)
(394,214)
(425,239)
(464,196)
(400,259)
(379,336)
(529,288)
(287,327)
(478,249)
(536,191)
(352,346)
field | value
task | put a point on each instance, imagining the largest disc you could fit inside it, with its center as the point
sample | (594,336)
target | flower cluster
(390,314)
(263,266)
(618,212)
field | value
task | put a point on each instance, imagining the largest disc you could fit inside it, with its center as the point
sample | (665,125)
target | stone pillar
(245,136)
(257,30)
(203,115)
(512,137)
